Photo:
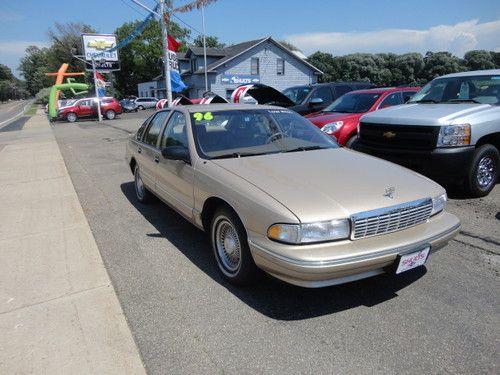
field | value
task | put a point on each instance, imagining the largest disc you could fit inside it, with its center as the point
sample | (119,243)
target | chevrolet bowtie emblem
(389,192)
(389,134)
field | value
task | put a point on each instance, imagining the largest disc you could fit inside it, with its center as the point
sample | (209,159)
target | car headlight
(438,203)
(454,135)
(310,232)
(332,127)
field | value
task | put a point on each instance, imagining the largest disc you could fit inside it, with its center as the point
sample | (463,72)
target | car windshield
(353,103)
(475,89)
(297,94)
(239,133)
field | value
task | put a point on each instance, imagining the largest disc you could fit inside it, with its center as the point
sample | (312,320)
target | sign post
(99,115)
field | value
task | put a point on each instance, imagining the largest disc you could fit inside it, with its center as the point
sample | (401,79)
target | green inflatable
(81,87)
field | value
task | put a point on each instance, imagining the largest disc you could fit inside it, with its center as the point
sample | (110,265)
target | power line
(134,9)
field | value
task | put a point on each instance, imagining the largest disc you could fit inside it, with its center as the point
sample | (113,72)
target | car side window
(407,95)
(392,99)
(153,131)
(175,133)
(342,89)
(323,93)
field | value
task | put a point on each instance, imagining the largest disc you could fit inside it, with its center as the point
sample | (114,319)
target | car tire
(71,117)
(141,108)
(351,141)
(484,171)
(110,115)
(142,193)
(230,246)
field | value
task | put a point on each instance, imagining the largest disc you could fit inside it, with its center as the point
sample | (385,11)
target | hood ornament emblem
(389,192)
(389,134)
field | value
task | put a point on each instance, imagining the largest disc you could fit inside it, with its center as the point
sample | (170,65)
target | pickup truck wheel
(230,247)
(110,115)
(483,174)
(71,117)
(143,194)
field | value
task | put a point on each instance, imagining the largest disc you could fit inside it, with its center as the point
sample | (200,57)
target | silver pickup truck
(449,131)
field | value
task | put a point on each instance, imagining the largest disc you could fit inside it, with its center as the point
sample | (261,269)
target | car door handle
(157,159)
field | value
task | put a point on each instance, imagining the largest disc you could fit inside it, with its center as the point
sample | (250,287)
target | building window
(194,65)
(280,67)
(254,66)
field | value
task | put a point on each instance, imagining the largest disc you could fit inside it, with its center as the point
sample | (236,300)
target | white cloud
(12,51)
(457,39)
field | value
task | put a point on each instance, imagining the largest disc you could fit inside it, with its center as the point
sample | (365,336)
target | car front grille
(390,219)
(411,137)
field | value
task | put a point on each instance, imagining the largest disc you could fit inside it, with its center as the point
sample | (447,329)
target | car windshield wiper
(462,101)
(236,155)
(305,148)
(426,101)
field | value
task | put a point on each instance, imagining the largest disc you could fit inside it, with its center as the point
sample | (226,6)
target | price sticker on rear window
(198,116)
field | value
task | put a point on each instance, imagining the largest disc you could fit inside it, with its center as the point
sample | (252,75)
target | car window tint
(153,131)
(342,89)
(175,133)
(323,93)
(392,99)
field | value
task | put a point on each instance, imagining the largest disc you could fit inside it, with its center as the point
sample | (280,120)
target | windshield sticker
(198,116)
(279,111)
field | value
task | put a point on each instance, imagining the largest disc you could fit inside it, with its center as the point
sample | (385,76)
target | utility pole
(204,46)
(164,34)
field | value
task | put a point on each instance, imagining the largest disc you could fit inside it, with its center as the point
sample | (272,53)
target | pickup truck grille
(390,219)
(411,137)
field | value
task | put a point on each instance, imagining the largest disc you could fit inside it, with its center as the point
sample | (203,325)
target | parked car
(341,118)
(129,105)
(146,102)
(275,193)
(312,98)
(450,131)
(87,107)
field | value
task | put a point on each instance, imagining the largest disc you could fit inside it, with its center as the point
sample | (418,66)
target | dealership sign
(239,79)
(100,47)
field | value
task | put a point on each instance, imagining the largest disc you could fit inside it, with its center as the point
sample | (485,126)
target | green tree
(212,42)
(33,67)
(141,58)
(288,45)
(439,63)
(327,64)
(478,60)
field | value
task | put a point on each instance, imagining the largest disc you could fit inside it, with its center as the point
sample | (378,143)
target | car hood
(427,114)
(329,184)
(322,118)
(264,94)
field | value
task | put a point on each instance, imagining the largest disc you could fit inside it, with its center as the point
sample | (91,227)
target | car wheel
(351,141)
(230,247)
(110,115)
(143,194)
(484,171)
(141,108)
(71,117)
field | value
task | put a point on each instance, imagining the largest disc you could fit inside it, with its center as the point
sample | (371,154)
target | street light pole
(204,46)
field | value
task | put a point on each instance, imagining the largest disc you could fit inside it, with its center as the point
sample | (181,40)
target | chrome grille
(390,219)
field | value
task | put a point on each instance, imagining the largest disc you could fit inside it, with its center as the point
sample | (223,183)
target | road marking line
(19,114)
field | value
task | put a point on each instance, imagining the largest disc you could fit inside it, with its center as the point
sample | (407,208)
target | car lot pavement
(58,310)
(186,320)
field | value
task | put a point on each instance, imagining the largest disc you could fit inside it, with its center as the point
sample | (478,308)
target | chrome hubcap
(485,171)
(228,245)
(139,186)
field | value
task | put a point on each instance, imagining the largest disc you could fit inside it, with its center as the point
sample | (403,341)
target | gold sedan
(277,194)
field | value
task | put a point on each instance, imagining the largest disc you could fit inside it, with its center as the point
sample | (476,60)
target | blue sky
(338,27)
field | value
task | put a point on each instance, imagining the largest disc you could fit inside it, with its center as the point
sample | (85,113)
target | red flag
(99,76)
(173,45)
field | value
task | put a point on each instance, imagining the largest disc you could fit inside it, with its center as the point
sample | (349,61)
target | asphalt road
(186,320)
(11,111)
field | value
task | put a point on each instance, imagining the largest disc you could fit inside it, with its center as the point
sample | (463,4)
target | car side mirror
(176,153)
(315,102)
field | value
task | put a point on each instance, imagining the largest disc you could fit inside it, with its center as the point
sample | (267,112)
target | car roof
(382,90)
(224,107)
(472,73)
(352,83)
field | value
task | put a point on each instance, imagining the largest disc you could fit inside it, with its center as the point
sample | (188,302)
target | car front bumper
(332,263)
(441,164)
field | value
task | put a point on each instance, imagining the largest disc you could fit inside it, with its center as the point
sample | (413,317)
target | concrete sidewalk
(59,313)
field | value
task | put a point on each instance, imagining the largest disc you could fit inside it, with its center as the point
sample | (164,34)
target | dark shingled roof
(216,52)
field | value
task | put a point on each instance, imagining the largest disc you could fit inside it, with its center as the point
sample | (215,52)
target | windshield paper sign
(239,79)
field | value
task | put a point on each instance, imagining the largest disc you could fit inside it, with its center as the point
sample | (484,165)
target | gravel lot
(185,319)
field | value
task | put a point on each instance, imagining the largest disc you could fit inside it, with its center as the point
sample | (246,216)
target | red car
(341,118)
(87,107)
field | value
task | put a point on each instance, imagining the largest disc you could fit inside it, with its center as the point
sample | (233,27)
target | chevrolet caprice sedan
(276,194)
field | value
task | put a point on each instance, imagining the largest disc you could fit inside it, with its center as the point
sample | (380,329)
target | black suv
(313,98)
